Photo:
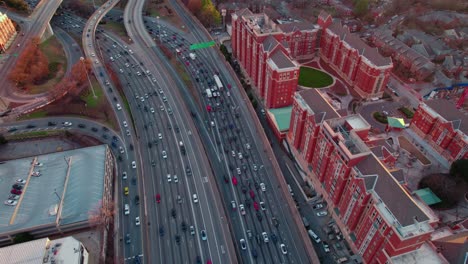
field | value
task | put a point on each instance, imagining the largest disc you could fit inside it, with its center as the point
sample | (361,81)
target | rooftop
(278,60)
(344,130)
(425,254)
(315,103)
(371,54)
(282,117)
(71,183)
(260,23)
(63,250)
(399,209)
(269,43)
(447,110)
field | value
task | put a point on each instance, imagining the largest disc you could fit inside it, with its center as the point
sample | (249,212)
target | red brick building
(361,66)
(7,31)
(266,49)
(444,127)
(378,218)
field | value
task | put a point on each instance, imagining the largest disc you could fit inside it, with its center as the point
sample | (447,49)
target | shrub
(380,117)
(408,113)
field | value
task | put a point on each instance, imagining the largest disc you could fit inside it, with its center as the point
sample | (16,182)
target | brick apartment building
(267,51)
(379,219)
(444,127)
(7,31)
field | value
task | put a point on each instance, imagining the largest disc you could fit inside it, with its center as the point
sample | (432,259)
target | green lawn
(37,114)
(117,28)
(310,77)
(92,101)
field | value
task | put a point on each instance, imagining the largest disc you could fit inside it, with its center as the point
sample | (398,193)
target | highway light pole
(89,80)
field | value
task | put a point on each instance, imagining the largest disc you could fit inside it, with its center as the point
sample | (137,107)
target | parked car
(11,202)
(322,213)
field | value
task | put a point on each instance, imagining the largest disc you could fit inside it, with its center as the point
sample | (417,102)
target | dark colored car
(51,124)
(177,239)
(161,231)
(17,186)
(173,213)
(137,199)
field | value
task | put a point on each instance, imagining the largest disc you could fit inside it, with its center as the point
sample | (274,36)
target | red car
(229,86)
(158,198)
(252,194)
(208,108)
(256,206)
(14,191)
(234,180)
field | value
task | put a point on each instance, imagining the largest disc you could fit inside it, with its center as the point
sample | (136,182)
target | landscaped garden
(313,78)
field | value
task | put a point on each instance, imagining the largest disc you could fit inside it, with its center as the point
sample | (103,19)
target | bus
(208,93)
(218,82)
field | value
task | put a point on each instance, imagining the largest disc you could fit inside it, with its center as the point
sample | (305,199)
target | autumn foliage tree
(102,215)
(208,14)
(32,67)
(73,83)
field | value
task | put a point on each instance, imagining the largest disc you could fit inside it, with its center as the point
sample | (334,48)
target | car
(17,186)
(51,123)
(183,226)
(20,181)
(238,171)
(128,132)
(252,194)
(188,171)
(126,191)
(93,55)
(317,206)
(138,73)
(256,207)
(169,178)
(13,197)
(152,110)
(283,249)
(255,168)
(142,99)
(164,154)
(262,205)
(161,107)
(176,180)
(124,175)
(164,99)
(173,213)
(242,209)
(192,230)
(126,209)
(134,164)
(262,186)
(240,155)
(274,238)
(14,191)
(203,235)
(81,125)
(121,149)
(125,124)
(254,253)
(259,216)
(11,202)
(67,124)
(160,91)
(161,231)
(177,239)
(243,244)
(234,180)
(118,107)
(265,237)
(94,129)
(233,205)
(137,220)
(127,239)
(322,213)
(158,198)
(326,247)
(137,199)
(195,198)
(160,136)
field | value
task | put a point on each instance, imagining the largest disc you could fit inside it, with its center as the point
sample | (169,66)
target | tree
(194,6)
(3,140)
(22,237)
(208,14)
(444,187)
(459,169)
(102,215)
(361,7)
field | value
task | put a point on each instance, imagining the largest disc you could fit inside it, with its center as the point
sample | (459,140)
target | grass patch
(36,114)
(53,50)
(117,28)
(313,78)
(408,113)
(380,117)
(88,97)
(32,134)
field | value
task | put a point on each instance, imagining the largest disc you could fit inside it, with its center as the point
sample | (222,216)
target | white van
(126,209)
(314,236)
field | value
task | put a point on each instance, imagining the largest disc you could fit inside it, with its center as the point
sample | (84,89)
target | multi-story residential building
(7,31)
(266,51)
(441,124)
(379,218)
(361,66)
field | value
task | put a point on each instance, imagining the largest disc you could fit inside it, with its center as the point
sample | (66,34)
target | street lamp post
(89,80)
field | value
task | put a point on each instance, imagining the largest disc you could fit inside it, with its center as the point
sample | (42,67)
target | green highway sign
(202,45)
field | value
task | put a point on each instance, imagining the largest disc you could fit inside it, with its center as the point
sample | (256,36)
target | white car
(238,171)
(118,107)
(160,91)
(247,146)
(161,107)
(134,164)
(255,168)
(152,110)
(21,181)
(126,209)
(262,186)
(92,54)
(169,178)
(322,213)
(240,155)
(243,244)
(125,124)
(11,202)
(124,175)
(265,237)
(262,205)
(195,198)
(137,220)
(138,73)
(142,99)
(176,180)
(67,124)
(121,150)
(128,132)
(164,154)
(233,153)
(283,249)
(159,135)
(242,209)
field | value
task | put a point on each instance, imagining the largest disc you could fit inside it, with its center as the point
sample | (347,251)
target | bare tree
(102,215)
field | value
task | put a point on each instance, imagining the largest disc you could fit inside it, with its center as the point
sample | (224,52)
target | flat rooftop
(425,254)
(71,183)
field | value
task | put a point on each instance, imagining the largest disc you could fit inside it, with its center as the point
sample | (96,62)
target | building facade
(266,51)
(7,31)
(444,127)
(379,219)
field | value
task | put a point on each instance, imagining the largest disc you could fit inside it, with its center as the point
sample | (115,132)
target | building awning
(396,122)
(427,196)
(282,117)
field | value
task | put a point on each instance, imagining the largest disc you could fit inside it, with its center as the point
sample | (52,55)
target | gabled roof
(324,15)
(269,43)
(243,12)
(449,112)
(400,204)
(280,60)
(322,109)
